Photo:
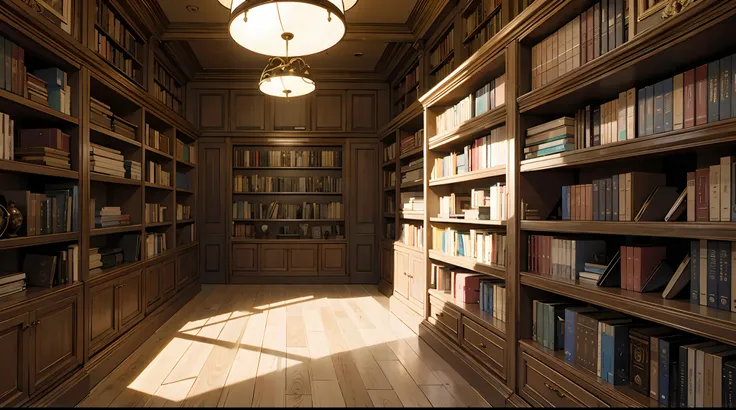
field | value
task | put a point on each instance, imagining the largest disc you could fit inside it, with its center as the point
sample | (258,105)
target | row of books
(167,81)
(45,270)
(412,141)
(485,246)
(711,194)
(156,139)
(412,235)
(484,152)
(101,114)
(157,175)
(442,49)
(491,25)
(167,98)
(186,235)
(412,203)
(53,211)
(261,183)
(606,123)
(389,152)
(413,171)
(481,204)
(443,71)
(482,11)
(389,179)
(277,210)
(11,284)
(598,30)
(484,99)
(712,269)
(106,160)
(390,231)
(661,363)
(110,51)
(133,169)
(43,146)
(183,212)
(154,213)
(7,137)
(156,243)
(286,159)
(562,257)
(471,288)
(116,28)
(108,216)
(186,152)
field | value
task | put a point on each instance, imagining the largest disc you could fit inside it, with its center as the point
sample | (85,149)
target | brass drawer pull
(559,393)
(439,314)
(482,345)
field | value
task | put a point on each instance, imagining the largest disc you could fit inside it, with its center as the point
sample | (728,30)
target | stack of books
(100,113)
(413,171)
(104,258)
(550,138)
(12,284)
(155,243)
(493,298)
(155,139)
(37,91)
(186,152)
(57,90)
(110,216)
(412,235)
(412,141)
(44,146)
(412,204)
(592,273)
(157,175)
(183,212)
(106,160)
(155,213)
(132,169)
(7,140)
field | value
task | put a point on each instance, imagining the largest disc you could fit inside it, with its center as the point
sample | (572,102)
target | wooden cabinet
(401,275)
(114,306)
(154,291)
(244,259)
(418,279)
(483,344)
(247,110)
(328,111)
(14,359)
(183,270)
(273,258)
(363,213)
(387,264)
(56,340)
(541,385)
(444,318)
(213,224)
(332,260)
(130,289)
(168,279)
(290,113)
(302,259)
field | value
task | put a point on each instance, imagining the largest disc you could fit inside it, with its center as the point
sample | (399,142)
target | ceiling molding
(181,58)
(319,75)
(382,32)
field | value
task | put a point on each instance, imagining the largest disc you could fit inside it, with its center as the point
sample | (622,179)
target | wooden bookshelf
(498,272)
(472,310)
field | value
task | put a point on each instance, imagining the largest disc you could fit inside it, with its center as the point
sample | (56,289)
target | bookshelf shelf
(295,168)
(288,220)
(412,184)
(187,164)
(389,188)
(482,24)
(33,169)
(720,132)
(93,176)
(272,240)
(159,82)
(289,193)
(184,221)
(472,310)
(23,241)
(470,176)
(115,269)
(159,186)
(162,255)
(413,152)
(638,61)
(399,244)
(21,108)
(158,153)
(185,191)
(468,221)
(119,46)
(442,62)
(724,231)
(183,248)
(410,217)
(33,293)
(623,394)
(157,224)
(389,163)
(678,313)
(113,135)
(115,229)
(498,272)
(463,133)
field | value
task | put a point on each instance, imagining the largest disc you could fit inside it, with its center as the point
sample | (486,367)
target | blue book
(695,272)
(551,150)
(53,76)
(571,315)
(620,354)
(592,269)
(565,210)
(489,296)
(669,349)
(724,272)
(55,100)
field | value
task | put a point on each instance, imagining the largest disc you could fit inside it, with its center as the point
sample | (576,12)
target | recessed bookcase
(482,19)
(406,90)
(441,59)
(118,42)
(167,89)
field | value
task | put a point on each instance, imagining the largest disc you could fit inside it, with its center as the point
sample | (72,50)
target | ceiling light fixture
(226,3)
(309,26)
(286,77)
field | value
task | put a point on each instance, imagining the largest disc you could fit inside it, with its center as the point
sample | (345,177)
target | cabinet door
(14,358)
(57,346)
(130,292)
(103,320)
(290,113)
(168,279)
(401,274)
(332,260)
(272,258)
(244,259)
(194,264)
(418,277)
(387,265)
(328,111)
(153,286)
(212,223)
(182,270)
(303,259)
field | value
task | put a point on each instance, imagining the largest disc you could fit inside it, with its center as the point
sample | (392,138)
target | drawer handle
(439,314)
(482,345)
(36,323)
(559,393)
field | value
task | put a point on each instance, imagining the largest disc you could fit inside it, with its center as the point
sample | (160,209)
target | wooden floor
(284,345)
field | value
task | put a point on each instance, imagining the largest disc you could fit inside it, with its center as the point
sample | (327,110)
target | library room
(368,203)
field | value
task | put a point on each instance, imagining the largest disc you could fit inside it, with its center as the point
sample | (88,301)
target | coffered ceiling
(372,25)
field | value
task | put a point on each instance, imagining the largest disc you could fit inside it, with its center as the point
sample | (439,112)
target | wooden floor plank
(296,332)
(384,398)
(439,396)
(319,353)
(298,400)
(298,364)
(409,393)
(170,395)
(327,394)
(270,388)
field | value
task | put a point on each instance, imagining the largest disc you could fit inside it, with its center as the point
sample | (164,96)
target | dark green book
(713,95)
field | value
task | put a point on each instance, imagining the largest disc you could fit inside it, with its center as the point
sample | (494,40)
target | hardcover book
(688,84)
(713,94)
(701,95)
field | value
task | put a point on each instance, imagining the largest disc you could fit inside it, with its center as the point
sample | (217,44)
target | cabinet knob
(559,393)
(35,323)
(482,345)
(439,314)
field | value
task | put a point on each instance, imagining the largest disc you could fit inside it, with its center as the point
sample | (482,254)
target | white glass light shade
(282,78)
(226,3)
(348,4)
(263,26)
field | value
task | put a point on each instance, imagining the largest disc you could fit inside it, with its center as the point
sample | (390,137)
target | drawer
(483,344)
(541,384)
(444,318)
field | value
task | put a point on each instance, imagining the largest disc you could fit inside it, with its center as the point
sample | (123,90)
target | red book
(548,259)
(44,137)
(701,95)
(629,268)
(702,195)
(624,265)
(688,85)
(645,260)
(467,287)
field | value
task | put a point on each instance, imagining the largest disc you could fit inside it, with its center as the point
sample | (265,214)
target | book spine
(649,116)
(664,372)
(701,95)
(702,194)
(596,188)
(691,201)
(703,275)
(682,378)
(724,88)
(614,198)
(641,112)
(668,114)
(659,107)
(713,94)
(724,275)
(732,187)
(688,106)
(712,289)
(596,126)
(639,364)
(694,272)
(677,102)
(621,356)
(570,335)
(565,212)
(714,186)
(602,200)
(604,26)
(621,135)
(654,368)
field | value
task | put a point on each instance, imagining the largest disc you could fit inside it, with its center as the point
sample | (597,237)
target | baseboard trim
(76,386)
(516,401)
(486,383)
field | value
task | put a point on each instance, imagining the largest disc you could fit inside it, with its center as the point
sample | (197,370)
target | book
(713,94)
(714,192)
(569,337)
(724,275)
(724,187)
(657,206)
(691,197)
(611,277)
(702,194)
(678,115)
(724,88)
(659,107)
(39,269)
(649,107)
(688,105)
(701,95)
(667,98)
(679,280)
(645,260)
(659,278)
(712,272)
(678,207)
